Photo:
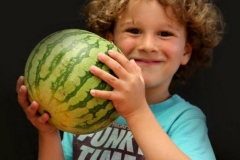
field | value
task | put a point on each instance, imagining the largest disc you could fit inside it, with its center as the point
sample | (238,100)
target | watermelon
(57,77)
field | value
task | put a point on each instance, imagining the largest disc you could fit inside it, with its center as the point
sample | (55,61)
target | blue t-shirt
(184,123)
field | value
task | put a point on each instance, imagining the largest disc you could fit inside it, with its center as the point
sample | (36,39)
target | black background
(24,23)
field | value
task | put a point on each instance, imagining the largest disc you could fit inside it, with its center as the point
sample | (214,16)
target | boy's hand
(31,110)
(128,95)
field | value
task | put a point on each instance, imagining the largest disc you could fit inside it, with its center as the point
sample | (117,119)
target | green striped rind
(57,77)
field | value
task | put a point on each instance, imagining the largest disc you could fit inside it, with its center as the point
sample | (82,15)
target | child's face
(145,33)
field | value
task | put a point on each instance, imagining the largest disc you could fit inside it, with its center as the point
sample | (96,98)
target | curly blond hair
(203,19)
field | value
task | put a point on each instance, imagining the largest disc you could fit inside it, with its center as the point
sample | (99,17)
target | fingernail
(93,69)
(100,55)
(110,51)
(92,92)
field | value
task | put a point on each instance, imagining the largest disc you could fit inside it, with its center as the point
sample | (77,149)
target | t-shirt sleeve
(191,136)
(67,145)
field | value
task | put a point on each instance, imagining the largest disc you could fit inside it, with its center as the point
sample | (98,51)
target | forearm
(152,139)
(50,147)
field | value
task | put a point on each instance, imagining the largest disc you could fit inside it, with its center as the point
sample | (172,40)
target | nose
(148,44)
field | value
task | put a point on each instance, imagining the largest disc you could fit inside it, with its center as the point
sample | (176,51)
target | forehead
(138,8)
(132,7)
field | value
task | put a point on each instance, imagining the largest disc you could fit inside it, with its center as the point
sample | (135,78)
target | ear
(109,36)
(187,54)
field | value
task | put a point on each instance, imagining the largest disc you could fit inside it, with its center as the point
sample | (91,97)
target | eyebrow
(173,27)
(128,22)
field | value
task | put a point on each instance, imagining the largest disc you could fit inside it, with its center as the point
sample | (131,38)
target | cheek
(169,50)
(125,45)
(172,51)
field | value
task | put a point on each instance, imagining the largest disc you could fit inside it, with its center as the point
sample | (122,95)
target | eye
(165,34)
(133,31)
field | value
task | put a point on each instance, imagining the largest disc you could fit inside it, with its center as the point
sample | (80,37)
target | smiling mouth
(146,62)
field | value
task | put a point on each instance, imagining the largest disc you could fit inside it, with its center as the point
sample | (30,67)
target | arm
(50,146)
(151,138)
(49,137)
(131,103)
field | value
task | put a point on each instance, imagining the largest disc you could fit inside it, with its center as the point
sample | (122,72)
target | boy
(163,41)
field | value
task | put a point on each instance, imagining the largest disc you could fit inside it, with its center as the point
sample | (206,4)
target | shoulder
(175,112)
(186,109)
(176,107)
(186,126)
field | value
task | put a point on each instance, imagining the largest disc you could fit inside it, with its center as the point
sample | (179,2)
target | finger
(22,96)
(121,59)
(20,82)
(105,76)
(102,94)
(34,116)
(137,69)
(31,111)
(43,118)
(115,66)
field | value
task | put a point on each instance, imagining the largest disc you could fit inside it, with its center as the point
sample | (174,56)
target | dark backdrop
(24,23)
